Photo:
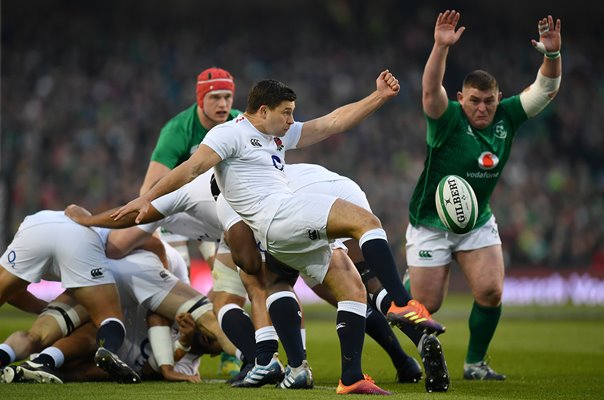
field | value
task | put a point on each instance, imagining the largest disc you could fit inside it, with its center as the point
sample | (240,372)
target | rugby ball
(456,204)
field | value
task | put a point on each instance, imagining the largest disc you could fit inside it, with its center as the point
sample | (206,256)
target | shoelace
(368,378)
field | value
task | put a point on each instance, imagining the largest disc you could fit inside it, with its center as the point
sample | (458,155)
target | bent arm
(202,160)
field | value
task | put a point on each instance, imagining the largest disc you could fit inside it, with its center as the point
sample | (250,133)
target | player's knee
(66,317)
(370,221)
(431,303)
(490,297)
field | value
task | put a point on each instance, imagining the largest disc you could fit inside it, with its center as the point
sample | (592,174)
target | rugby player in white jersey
(191,212)
(248,154)
(48,245)
(312,178)
(149,293)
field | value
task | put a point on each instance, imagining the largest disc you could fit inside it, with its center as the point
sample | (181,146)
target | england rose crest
(279,144)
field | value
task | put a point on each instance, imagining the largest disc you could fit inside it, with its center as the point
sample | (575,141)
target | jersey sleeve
(222,140)
(292,136)
(173,202)
(438,128)
(177,264)
(150,227)
(514,111)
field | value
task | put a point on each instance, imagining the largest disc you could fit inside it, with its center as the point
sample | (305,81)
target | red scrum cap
(212,80)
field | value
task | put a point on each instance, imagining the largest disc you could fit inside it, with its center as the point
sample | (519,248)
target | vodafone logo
(487,160)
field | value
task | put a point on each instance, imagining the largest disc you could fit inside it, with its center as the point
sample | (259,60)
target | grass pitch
(546,352)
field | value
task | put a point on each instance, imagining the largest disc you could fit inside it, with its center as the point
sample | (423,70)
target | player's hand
(77,214)
(171,375)
(550,40)
(186,328)
(139,205)
(387,85)
(444,31)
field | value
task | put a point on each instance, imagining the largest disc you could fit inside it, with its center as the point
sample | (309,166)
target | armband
(160,338)
(539,94)
(207,249)
(552,55)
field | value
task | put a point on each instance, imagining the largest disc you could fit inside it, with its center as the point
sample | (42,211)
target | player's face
(217,106)
(479,105)
(279,119)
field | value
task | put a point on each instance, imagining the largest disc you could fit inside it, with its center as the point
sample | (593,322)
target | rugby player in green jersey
(179,138)
(472,138)
(182,134)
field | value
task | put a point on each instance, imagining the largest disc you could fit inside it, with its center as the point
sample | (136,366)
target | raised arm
(202,160)
(538,95)
(434,95)
(350,115)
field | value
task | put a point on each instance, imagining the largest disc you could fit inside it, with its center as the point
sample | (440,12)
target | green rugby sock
(482,323)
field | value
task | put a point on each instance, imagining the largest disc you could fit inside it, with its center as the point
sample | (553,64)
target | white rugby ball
(456,204)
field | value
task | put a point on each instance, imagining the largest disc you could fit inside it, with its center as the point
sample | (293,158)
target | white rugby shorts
(431,247)
(141,278)
(297,235)
(65,251)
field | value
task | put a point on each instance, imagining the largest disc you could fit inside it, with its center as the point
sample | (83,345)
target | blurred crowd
(86,87)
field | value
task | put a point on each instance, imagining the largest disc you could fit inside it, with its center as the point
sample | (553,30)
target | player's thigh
(429,285)
(61,317)
(484,271)
(349,220)
(101,302)
(10,285)
(343,279)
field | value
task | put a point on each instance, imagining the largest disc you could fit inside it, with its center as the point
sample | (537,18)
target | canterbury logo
(313,234)
(255,142)
(341,325)
(425,254)
(96,273)
(163,274)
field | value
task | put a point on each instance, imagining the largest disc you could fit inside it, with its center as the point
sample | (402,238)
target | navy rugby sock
(238,327)
(110,334)
(350,325)
(378,256)
(287,320)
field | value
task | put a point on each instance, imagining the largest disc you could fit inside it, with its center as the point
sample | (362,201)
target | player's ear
(459,97)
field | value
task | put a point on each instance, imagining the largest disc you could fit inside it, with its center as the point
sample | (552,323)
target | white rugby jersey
(250,175)
(301,175)
(190,211)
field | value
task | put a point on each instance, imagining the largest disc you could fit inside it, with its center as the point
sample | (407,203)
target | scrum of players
(129,313)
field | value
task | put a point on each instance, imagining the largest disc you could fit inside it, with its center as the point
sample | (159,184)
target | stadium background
(86,88)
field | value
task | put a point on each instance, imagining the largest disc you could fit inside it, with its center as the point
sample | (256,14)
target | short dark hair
(480,80)
(270,93)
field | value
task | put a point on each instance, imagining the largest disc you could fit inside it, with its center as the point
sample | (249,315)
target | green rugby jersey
(181,136)
(477,155)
